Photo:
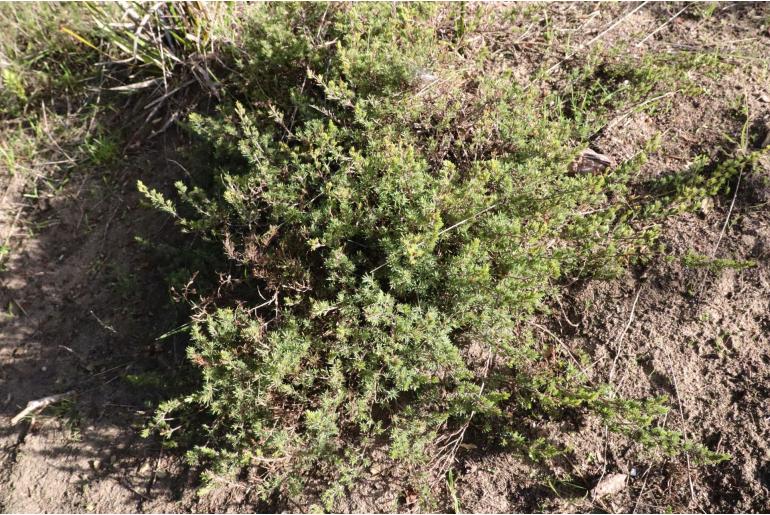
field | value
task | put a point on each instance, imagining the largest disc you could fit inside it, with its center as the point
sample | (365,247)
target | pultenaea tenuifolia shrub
(393,222)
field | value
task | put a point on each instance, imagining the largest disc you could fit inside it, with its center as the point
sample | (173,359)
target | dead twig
(564,314)
(724,228)
(18,305)
(623,334)
(12,228)
(125,484)
(448,450)
(596,38)
(562,344)
(661,27)
(641,490)
(684,423)
(105,326)
(744,149)
(39,404)
(633,110)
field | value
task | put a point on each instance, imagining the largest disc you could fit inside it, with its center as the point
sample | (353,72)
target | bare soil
(84,304)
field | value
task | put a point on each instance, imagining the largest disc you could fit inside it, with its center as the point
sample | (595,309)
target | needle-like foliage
(395,214)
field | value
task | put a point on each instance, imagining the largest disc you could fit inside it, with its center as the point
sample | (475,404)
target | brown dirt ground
(87,302)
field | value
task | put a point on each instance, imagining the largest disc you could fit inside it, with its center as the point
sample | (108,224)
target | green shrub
(393,223)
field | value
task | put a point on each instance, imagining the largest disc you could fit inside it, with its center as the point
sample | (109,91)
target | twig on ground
(724,228)
(458,224)
(633,110)
(185,170)
(168,94)
(70,159)
(12,228)
(109,222)
(623,334)
(445,457)
(105,326)
(606,448)
(125,484)
(661,27)
(596,38)
(641,490)
(461,222)
(154,475)
(18,305)
(39,404)
(564,314)
(562,344)
(684,423)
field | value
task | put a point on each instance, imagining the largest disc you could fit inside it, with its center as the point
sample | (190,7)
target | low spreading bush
(396,209)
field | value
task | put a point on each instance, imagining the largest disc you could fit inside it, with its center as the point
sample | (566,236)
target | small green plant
(452,489)
(686,191)
(67,412)
(699,261)
(5,251)
(102,150)
(13,95)
(705,10)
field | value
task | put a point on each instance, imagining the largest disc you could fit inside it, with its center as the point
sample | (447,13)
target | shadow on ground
(84,303)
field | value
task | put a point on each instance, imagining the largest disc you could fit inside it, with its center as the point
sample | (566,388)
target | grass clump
(393,223)
(164,55)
